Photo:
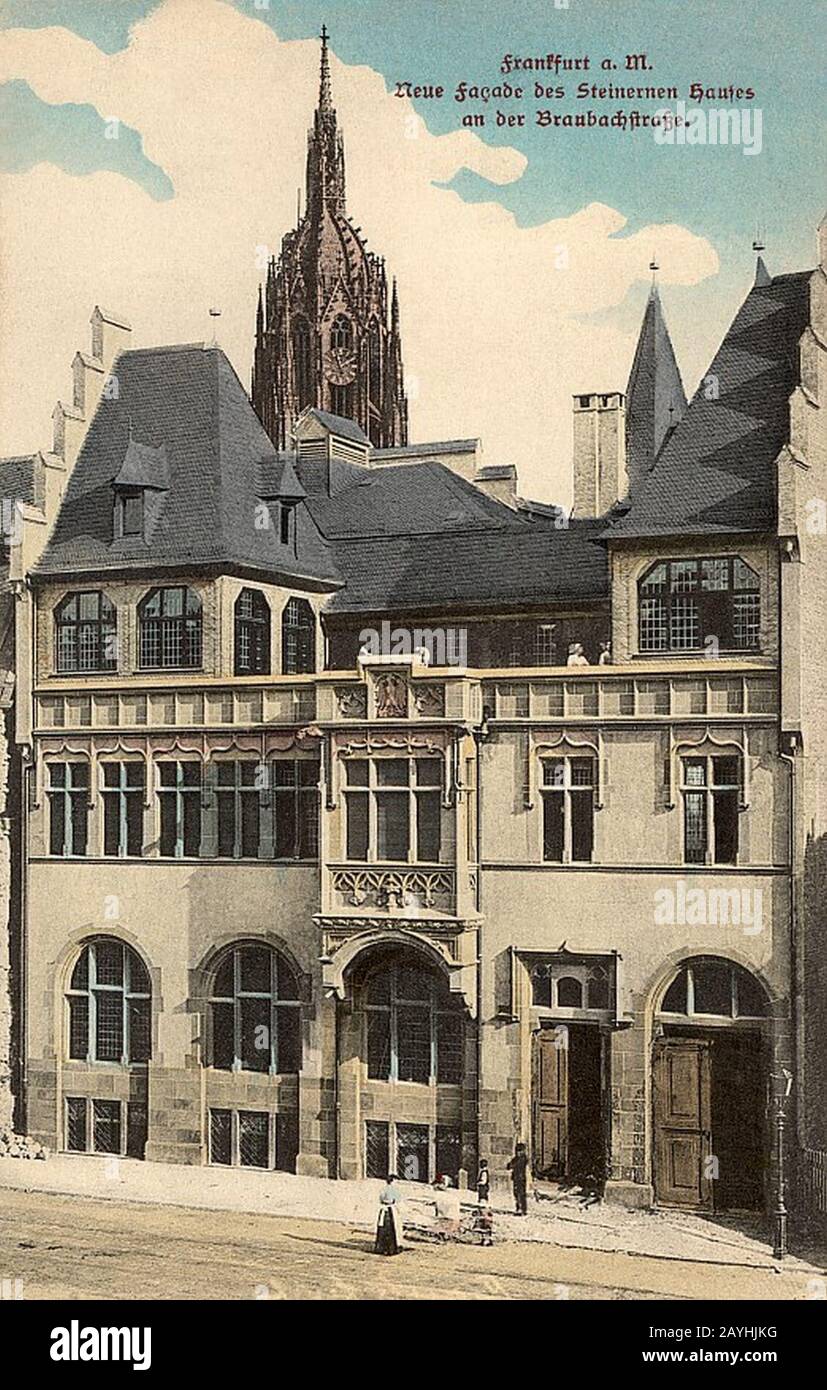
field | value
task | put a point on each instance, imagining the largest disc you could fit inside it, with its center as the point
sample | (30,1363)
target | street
(58,1247)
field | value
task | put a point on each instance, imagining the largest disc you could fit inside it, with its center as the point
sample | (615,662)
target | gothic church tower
(326,335)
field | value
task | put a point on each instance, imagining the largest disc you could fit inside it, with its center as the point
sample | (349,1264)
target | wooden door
(683,1144)
(551,1103)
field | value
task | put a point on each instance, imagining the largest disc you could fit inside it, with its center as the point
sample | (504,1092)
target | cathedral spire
(325,99)
(324,334)
(325,150)
(655,398)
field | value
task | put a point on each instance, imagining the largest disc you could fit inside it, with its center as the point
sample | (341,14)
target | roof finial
(215,314)
(325,100)
(654,267)
(762,275)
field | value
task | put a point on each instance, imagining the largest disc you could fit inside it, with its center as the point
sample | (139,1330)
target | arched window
(414,1026)
(298,638)
(597,988)
(341,333)
(86,633)
(303,362)
(710,988)
(256,1014)
(569,993)
(109,1000)
(687,605)
(252,633)
(169,628)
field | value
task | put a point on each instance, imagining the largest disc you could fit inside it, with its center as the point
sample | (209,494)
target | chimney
(500,482)
(599,452)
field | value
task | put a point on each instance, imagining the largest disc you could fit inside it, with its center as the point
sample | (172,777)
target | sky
(150,152)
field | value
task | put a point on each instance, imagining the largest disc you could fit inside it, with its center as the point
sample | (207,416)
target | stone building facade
(369,816)
(372,822)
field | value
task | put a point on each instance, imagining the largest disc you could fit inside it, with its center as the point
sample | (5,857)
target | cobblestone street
(61,1247)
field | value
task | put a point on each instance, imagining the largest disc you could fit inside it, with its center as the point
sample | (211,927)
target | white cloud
(493,339)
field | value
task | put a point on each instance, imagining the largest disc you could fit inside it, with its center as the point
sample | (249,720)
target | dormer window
(140,487)
(712,603)
(286,522)
(131,507)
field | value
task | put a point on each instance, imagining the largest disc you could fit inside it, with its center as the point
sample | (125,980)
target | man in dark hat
(518,1168)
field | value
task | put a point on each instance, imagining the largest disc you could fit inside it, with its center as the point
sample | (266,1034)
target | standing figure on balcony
(577,656)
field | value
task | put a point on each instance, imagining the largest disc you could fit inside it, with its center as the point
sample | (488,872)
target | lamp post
(779,1244)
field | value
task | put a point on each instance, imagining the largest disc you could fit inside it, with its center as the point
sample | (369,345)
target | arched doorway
(710,1077)
(402,1049)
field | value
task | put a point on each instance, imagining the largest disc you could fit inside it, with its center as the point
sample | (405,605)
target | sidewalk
(558,1219)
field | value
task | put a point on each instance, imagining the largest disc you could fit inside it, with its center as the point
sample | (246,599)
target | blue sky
(777,48)
(718,195)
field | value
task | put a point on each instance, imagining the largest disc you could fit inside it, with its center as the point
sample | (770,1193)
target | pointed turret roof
(716,471)
(762,275)
(655,398)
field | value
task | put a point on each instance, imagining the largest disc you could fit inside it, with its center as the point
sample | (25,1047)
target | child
(483,1181)
(484,1222)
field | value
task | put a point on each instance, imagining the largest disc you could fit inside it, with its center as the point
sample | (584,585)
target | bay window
(691,604)
(393,809)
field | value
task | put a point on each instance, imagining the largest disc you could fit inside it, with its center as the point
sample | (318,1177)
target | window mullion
(373,855)
(236,1010)
(92,1029)
(274,1060)
(393,1030)
(125,1049)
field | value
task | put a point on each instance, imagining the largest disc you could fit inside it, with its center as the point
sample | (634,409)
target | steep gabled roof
(716,472)
(185,408)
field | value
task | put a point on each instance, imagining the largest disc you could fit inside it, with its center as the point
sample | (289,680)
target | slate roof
(521,566)
(414,537)
(410,499)
(445,446)
(184,405)
(716,473)
(655,398)
(21,479)
(339,424)
(143,466)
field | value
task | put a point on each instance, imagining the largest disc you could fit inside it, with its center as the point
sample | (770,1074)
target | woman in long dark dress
(389,1222)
